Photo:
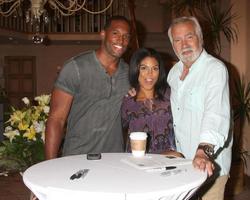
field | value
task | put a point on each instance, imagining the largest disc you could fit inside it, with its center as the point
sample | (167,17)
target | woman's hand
(172,153)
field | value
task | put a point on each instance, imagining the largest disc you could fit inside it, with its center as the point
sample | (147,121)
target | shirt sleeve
(69,78)
(216,118)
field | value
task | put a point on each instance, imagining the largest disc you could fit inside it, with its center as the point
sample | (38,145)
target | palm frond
(242,97)
(221,22)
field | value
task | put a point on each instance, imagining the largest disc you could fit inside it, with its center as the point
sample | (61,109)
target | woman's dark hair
(134,71)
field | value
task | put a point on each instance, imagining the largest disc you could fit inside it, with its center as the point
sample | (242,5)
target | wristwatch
(208,150)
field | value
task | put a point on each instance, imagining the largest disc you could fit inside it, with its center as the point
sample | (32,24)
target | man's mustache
(186,49)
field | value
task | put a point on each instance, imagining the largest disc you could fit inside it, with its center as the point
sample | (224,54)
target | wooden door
(20,78)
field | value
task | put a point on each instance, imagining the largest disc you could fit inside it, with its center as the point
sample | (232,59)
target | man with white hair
(200,105)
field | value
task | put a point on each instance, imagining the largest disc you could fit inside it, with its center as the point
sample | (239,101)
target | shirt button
(178,108)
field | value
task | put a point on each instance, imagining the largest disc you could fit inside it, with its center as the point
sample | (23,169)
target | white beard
(189,58)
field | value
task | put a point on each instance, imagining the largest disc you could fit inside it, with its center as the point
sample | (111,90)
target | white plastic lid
(138,136)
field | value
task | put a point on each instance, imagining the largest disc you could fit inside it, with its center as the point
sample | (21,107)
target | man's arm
(216,118)
(59,109)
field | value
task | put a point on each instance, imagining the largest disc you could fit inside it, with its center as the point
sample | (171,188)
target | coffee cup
(138,142)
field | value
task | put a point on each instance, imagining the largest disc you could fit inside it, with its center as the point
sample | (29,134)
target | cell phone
(94,156)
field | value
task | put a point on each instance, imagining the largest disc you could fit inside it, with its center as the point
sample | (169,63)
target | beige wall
(240,56)
(150,14)
(239,50)
(48,58)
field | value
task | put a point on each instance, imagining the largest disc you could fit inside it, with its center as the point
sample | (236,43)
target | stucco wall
(240,51)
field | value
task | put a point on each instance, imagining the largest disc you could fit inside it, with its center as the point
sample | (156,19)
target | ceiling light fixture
(64,7)
(36,10)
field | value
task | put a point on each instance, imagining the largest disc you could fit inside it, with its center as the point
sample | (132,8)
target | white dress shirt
(201,108)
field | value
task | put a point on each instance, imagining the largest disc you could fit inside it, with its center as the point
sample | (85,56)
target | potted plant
(241,114)
(24,132)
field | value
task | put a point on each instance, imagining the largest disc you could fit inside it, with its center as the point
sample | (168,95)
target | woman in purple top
(149,110)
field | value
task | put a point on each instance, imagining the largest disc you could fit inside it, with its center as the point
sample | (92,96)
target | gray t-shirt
(94,121)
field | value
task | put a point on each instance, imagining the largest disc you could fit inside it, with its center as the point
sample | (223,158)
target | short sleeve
(68,79)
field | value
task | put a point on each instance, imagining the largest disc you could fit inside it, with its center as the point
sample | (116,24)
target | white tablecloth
(114,177)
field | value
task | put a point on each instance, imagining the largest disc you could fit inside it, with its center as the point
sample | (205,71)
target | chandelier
(64,7)
(36,10)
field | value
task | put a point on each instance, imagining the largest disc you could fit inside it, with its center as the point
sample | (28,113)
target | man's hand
(202,162)
(132,92)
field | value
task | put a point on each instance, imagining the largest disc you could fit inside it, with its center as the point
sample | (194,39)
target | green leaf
(242,98)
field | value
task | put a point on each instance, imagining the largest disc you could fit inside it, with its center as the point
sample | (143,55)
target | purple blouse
(153,117)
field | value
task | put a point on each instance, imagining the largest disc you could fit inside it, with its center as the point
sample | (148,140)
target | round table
(115,176)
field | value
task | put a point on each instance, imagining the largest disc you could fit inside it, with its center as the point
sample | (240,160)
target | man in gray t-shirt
(88,95)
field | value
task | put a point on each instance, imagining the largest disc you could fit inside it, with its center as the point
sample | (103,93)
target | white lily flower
(39,126)
(43,136)
(8,128)
(46,109)
(11,134)
(43,99)
(26,101)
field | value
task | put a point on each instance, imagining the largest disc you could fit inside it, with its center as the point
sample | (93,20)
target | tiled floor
(13,188)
